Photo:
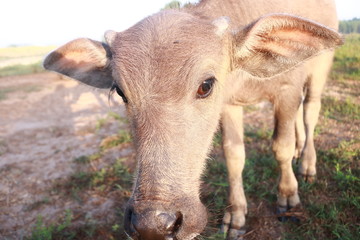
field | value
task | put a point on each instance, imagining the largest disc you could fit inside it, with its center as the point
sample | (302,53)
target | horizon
(46,24)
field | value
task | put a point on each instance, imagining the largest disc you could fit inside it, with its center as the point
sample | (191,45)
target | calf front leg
(233,144)
(284,149)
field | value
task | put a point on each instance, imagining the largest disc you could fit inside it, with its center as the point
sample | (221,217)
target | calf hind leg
(300,132)
(312,105)
(284,149)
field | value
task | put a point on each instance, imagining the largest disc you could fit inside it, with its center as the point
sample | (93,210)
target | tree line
(350,26)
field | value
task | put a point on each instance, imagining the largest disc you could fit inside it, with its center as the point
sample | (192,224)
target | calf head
(171,70)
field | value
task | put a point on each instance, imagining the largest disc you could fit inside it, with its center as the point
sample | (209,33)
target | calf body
(181,72)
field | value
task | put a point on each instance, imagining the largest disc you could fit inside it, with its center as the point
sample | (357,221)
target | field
(66,159)
(22,60)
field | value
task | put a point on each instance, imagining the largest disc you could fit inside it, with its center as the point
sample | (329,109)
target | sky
(50,22)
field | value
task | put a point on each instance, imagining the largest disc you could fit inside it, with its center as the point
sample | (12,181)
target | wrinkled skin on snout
(171,70)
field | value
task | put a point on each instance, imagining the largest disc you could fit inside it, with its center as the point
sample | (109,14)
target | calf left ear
(83,59)
(276,43)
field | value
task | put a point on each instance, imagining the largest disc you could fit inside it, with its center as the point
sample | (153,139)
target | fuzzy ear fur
(83,59)
(278,42)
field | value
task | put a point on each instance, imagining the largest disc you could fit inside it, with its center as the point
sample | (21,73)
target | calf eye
(205,88)
(119,91)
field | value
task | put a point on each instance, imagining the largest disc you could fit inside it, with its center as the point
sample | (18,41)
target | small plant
(173,5)
(114,177)
(82,159)
(100,123)
(87,159)
(41,232)
(57,231)
(122,137)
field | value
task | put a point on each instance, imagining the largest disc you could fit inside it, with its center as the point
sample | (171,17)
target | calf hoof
(236,234)
(289,214)
(232,233)
(307,178)
(281,213)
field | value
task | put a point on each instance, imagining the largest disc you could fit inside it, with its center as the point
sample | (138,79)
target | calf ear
(276,43)
(83,59)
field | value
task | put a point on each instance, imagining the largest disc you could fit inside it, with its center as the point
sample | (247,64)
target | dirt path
(45,122)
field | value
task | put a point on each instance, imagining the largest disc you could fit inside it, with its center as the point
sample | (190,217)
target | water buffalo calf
(180,72)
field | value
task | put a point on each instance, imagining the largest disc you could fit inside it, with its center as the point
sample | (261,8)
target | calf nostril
(152,225)
(170,222)
(130,218)
(178,222)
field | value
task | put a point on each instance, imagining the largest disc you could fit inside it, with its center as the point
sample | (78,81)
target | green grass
(87,179)
(217,140)
(252,134)
(347,59)
(334,201)
(122,137)
(116,176)
(215,182)
(331,204)
(344,110)
(41,231)
(111,115)
(66,230)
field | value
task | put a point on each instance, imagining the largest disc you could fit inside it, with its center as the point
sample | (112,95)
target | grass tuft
(57,231)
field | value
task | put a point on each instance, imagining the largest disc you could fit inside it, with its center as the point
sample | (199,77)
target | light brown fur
(159,65)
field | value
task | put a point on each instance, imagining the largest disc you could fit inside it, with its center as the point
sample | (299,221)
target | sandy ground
(42,130)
